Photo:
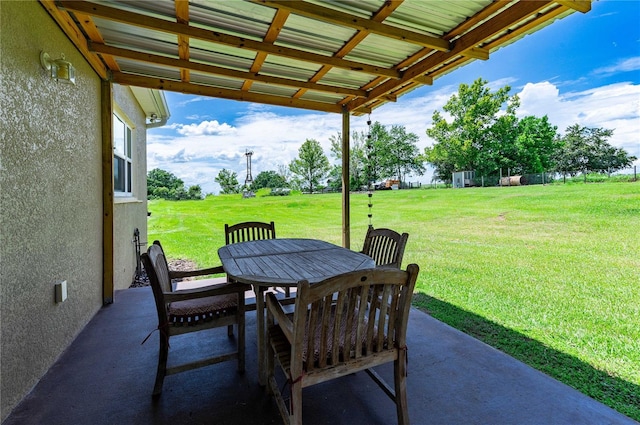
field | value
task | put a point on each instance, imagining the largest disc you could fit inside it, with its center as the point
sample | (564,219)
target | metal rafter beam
(498,23)
(580,5)
(489,28)
(460,61)
(383,13)
(226,72)
(348,20)
(182,16)
(90,28)
(201,90)
(140,20)
(270,37)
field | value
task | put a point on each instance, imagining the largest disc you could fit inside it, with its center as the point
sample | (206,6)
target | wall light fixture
(61,69)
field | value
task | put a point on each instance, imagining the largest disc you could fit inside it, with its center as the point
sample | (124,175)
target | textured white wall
(130,213)
(50,199)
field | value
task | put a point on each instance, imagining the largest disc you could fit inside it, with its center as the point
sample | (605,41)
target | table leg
(261,333)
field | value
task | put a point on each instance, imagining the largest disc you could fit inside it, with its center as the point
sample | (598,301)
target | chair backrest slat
(313,318)
(326,332)
(393,312)
(352,307)
(341,303)
(249,231)
(385,246)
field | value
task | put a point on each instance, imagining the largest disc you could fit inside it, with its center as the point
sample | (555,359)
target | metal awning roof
(332,56)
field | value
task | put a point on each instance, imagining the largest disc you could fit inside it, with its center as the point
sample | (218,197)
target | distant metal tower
(249,179)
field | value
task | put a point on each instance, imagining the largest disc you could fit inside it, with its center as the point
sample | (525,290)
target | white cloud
(615,107)
(498,84)
(203,127)
(192,99)
(623,65)
(197,117)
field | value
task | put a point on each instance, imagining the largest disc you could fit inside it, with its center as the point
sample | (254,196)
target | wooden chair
(385,246)
(192,310)
(337,329)
(251,231)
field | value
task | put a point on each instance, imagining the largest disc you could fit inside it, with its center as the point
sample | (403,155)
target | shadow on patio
(106,377)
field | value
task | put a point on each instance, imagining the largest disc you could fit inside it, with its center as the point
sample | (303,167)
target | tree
(334,182)
(400,155)
(357,161)
(311,166)
(268,179)
(228,181)
(195,192)
(535,145)
(381,154)
(285,173)
(499,150)
(586,150)
(158,178)
(376,148)
(162,184)
(619,159)
(475,127)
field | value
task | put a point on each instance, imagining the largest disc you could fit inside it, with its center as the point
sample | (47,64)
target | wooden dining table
(283,263)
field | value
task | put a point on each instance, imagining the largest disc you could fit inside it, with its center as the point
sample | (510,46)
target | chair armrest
(284,322)
(177,274)
(207,291)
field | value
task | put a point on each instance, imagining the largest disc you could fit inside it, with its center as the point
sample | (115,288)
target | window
(122,164)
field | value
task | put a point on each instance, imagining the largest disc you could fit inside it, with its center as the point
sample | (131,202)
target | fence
(627,174)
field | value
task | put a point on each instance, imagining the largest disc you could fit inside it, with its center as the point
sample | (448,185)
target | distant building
(463,178)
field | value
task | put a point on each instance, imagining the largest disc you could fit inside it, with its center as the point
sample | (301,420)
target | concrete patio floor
(106,377)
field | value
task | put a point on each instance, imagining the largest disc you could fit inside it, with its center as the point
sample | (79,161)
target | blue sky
(583,69)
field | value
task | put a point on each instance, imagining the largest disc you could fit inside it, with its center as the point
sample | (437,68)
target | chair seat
(193,311)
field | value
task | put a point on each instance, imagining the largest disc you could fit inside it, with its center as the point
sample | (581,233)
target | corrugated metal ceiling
(332,56)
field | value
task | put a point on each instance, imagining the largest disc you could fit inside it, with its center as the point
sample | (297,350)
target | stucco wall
(130,213)
(50,199)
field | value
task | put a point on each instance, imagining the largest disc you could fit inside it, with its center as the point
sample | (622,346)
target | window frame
(123,143)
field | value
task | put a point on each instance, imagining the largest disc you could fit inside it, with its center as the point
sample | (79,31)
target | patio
(106,377)
(273,53)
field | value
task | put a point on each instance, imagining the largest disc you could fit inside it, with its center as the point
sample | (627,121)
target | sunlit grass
(549,274)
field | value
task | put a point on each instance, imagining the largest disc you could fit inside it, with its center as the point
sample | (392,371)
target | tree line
(378,154)
(480,136)
(162,184)
(477,130)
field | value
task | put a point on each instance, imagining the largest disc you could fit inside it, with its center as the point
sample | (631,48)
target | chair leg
(240,319)
(400,378)
(295,404)
(270,368)
(163,354)
(241,344)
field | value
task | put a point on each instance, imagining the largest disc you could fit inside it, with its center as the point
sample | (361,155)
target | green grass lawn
(548,274)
